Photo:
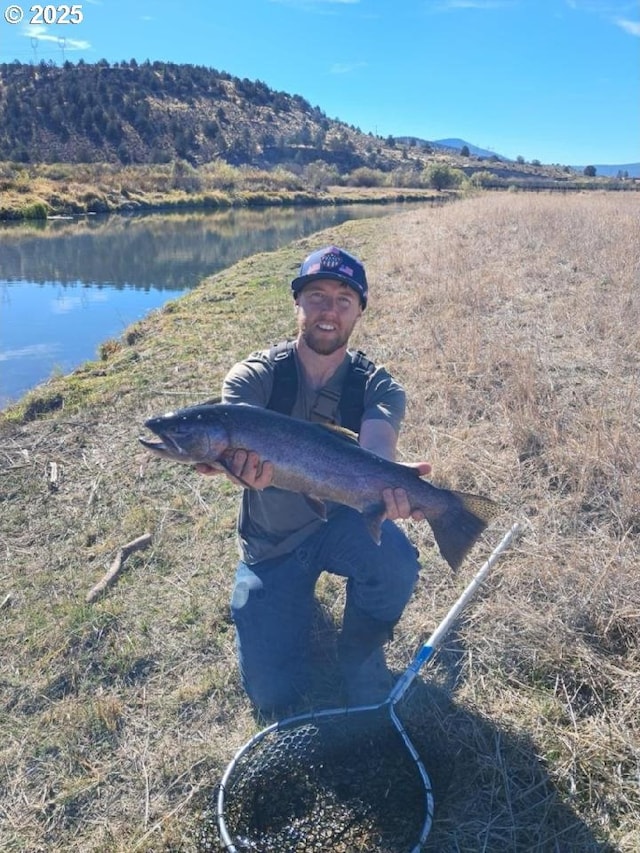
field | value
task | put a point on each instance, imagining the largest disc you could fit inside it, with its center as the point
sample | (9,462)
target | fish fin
(374,515)
(214,401)
(459,527)
(317,505)
(342,432)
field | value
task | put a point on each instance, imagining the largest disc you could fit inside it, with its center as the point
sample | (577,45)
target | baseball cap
(335,263)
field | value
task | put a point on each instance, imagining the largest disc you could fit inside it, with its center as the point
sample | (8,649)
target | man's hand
(396,500)
(244,468)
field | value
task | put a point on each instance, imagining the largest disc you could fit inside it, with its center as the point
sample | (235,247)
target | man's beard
(324,344)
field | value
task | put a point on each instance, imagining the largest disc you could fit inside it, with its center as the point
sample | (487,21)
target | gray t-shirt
(273,521)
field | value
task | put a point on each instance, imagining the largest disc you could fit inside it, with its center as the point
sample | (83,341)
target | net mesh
(344,783)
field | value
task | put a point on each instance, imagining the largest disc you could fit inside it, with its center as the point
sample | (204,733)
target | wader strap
(325,408)
(285,378)
(352,397)
(347,400)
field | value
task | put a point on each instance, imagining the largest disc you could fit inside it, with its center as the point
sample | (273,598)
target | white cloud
(41,34)
(68,301)
(346,67)
(447,5)
(631,27)
(602,7)
(314,5)
(31,351)
(614,11)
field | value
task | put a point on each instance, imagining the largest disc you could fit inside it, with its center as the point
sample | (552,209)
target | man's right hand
(244,468)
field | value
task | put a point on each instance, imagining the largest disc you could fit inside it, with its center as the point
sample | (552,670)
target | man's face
(327,312)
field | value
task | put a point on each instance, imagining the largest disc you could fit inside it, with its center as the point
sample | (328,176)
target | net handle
(431,645)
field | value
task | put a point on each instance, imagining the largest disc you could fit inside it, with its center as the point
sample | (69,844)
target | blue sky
(553,80)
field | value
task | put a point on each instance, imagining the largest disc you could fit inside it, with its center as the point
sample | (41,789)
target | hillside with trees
(156,112)
(169,127)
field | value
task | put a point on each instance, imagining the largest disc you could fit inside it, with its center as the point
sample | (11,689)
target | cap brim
(298,283)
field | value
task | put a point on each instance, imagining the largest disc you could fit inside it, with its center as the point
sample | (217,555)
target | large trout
(322,462)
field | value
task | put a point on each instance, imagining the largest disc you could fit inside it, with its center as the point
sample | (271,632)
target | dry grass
(40,190)
(514,322)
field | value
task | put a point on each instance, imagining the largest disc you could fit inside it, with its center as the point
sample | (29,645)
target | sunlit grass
(513,321)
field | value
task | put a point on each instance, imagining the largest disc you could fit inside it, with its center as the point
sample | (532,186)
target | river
(67,285)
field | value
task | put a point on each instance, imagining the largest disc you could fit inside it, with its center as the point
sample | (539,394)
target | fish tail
(458,528)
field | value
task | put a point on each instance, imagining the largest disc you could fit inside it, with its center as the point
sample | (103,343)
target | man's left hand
(397,502)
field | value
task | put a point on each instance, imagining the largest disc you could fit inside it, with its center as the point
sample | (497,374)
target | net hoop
(332,715)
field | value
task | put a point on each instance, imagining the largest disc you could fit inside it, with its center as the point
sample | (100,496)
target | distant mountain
(608,171)
(632,170)
(459,144)
(452,145)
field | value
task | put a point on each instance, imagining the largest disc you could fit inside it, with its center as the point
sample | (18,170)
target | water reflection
(171,251)
(68,285)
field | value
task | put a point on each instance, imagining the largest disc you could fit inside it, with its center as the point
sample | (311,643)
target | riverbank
(39,191)
(513,322)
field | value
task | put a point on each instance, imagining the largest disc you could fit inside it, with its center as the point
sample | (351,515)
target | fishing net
(346,780)
(343,781)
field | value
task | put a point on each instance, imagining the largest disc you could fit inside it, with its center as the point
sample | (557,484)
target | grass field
(514,322)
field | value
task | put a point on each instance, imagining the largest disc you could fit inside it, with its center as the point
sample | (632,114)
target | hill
(156,112)
(95,138)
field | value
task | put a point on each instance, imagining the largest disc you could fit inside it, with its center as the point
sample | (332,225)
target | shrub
(320,175)
(366,177)
(483,179)
(220,175)
(35,210)
(440,176)
(185,177)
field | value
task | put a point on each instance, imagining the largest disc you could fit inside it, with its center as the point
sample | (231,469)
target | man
(284,543)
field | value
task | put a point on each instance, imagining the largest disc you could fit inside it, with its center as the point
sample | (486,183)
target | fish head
(189,435)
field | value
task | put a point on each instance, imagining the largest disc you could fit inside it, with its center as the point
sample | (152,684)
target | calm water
(68,285)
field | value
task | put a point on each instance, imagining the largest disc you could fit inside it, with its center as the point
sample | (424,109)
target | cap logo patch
(330,261)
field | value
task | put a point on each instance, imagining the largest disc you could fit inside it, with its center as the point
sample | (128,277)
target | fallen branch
(54,481)
(117,566)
